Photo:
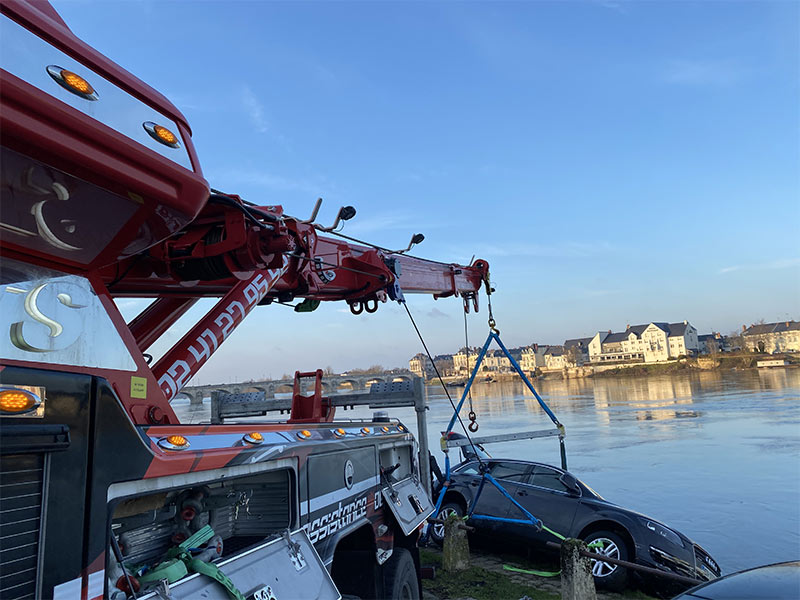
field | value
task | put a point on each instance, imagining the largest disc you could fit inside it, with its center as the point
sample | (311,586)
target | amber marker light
(365,430)
(339,432)
(174,442)
(385,429)
(304,435)
(14,402)
(161,134)
(72,82)
(253,438)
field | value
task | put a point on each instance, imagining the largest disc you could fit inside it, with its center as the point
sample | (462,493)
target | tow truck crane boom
(105,493)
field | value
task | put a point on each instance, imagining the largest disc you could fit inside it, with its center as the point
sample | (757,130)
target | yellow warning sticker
(138,387)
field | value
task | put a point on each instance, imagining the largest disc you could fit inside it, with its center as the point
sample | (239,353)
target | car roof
(777,581)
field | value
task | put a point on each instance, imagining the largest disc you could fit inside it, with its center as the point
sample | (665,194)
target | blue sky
(616,162)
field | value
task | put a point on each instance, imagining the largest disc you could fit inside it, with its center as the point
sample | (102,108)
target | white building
(421,366)
(772,337)
(464,360)
(654,342)
(532,358)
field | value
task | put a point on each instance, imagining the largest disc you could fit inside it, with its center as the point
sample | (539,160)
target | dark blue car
(573,509)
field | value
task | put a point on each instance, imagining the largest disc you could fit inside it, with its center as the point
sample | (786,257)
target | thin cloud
(781,263)
(599,293)
(702,72)
(616,6)
(382,222)
(233,177)
(558,250)
(255,110)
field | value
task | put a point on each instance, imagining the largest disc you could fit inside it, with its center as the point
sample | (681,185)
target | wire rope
(444,387)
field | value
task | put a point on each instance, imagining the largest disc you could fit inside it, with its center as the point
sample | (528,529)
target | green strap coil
(172,570)
(213,571)
(531,572)
(594,544)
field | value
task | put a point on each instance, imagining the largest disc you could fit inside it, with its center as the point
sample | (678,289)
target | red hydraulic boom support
(103,182)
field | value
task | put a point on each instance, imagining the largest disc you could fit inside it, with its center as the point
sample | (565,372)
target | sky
(615,162)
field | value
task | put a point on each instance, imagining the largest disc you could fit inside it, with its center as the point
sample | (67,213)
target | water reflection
(703,451)
(712,453)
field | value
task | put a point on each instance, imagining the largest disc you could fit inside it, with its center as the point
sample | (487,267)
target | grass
(483,584)
(475,582)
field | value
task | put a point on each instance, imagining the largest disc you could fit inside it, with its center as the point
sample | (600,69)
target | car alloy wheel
(607,548)
(444,514)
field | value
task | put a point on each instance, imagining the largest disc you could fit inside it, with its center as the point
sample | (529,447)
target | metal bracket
(295,555)
(162,589)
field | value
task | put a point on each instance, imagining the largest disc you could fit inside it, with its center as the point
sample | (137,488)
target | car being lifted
(572,508)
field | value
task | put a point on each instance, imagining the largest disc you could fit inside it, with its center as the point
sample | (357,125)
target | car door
(544,496)
(492,502)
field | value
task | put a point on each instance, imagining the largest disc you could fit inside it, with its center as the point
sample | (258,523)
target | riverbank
(488,580)
(731,361)
(701,363)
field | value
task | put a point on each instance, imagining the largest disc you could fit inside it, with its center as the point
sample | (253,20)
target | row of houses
(772,338)
(646,343)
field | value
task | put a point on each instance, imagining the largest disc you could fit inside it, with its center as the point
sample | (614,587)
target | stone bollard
(455,550)
(577,582)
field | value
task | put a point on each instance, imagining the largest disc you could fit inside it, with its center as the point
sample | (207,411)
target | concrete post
(455,550)
(420,407)
(215,408)
(577,582)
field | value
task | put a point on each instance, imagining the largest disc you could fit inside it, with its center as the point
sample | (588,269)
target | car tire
(606,575)
(400,576)
(437,530)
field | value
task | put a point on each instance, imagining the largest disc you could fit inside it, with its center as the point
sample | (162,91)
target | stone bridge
(330,384)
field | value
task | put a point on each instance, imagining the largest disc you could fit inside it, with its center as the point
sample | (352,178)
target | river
(714,454)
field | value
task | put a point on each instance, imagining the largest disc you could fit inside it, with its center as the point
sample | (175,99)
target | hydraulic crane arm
(102,194)
(256,255)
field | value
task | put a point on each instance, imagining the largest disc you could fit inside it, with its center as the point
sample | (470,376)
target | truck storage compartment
(399,456)
(285,567)
(241,512)
(21,481)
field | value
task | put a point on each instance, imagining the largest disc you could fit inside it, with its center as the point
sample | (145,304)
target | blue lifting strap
(529,518)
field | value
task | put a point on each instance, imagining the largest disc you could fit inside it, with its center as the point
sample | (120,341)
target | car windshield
(588,487)
(467,452)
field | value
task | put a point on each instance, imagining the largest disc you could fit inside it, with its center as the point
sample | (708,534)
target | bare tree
(572,356)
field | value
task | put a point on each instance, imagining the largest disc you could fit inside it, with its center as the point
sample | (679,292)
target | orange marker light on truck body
(17,401)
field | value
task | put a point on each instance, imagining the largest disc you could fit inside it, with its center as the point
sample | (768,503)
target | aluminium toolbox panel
(278,570)
(409,503)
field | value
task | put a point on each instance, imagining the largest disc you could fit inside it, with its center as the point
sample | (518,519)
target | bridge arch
(255,388)
(185,394)
(352,384)
(282,387)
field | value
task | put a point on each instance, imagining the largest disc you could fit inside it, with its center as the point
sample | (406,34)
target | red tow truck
(103,492)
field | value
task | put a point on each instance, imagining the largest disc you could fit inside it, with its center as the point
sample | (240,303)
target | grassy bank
(476,582)
(704,363)
(487,580)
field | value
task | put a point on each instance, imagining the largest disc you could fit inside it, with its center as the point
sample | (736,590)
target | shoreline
(720,362)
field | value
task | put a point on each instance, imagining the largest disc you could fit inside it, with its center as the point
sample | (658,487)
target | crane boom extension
(90,195)
(287,260)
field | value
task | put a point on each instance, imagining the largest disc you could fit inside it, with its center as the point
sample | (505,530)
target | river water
(714,454)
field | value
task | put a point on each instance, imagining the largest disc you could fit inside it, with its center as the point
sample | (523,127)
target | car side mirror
(571,483)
